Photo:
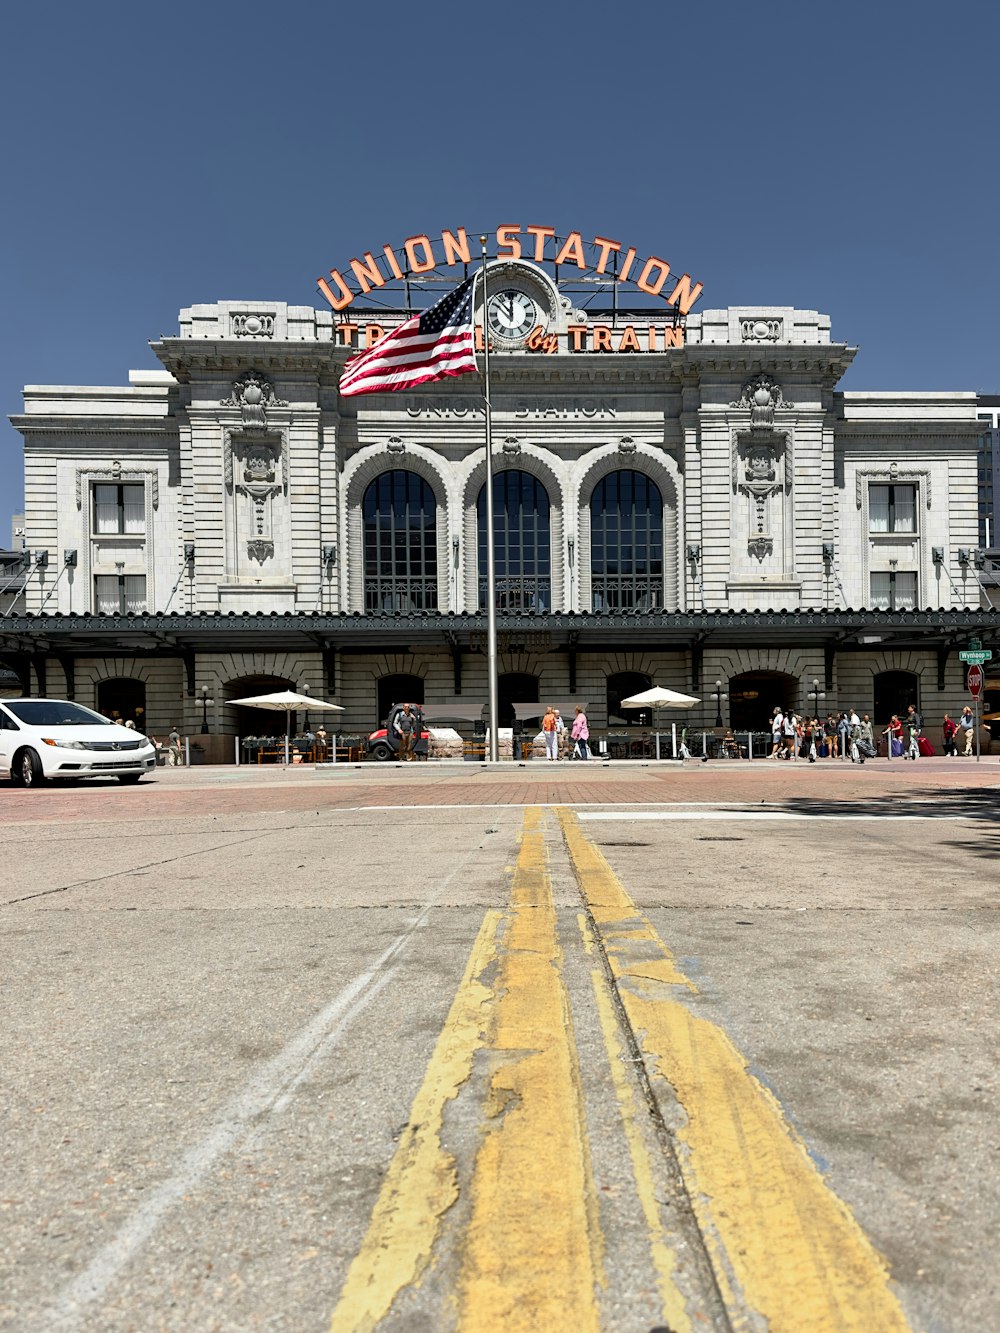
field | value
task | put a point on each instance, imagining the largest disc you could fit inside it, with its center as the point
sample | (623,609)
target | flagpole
(493,745)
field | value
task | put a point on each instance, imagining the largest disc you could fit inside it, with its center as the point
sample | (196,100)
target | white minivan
(55,738)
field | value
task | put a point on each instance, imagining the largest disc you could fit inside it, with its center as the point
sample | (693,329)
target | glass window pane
(106,509)
(905,507)
(906,592)
(880,591)
(878,509)
(135,593)
(106,594)
(134,507)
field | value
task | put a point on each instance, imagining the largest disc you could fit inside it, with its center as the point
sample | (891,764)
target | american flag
(429,346)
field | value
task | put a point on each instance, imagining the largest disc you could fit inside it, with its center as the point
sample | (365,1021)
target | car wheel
(382,753)
(27,770)
(130,779)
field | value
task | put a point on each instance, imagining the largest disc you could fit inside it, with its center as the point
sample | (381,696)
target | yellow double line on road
(783,1248)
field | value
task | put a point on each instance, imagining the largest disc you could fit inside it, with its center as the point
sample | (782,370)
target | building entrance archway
(892,693)
(515,687)
(754,695)
(258,721)
(123,699)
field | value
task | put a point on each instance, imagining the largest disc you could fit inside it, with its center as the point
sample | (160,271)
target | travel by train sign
(605,262)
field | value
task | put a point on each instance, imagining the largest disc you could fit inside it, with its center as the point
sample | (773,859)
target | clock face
(511,314)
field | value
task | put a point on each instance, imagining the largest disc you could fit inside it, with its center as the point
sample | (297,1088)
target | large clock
(511,314)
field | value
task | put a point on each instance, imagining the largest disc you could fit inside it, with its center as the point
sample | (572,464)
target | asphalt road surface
(531,1048)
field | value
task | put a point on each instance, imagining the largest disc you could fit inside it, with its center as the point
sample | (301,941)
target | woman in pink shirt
(580,734)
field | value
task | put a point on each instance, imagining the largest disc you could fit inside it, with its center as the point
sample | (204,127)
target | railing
(401,594)
(533,595)
(626,594)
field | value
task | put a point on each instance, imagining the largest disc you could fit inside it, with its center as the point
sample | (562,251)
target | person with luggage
(894,737)
(967,724)
(914,723)
(844,735)
(948,730)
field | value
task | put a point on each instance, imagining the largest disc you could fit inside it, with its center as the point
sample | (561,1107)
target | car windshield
(55,713)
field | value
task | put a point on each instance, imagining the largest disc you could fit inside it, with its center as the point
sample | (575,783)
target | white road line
(267,1093)
(731,815)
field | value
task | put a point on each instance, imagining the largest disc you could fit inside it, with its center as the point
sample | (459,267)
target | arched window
(400,528)
(123,700)
(514,687)
(754,695)
(399,689)
(622,686)
(626,544)
(894,691)
(521,543)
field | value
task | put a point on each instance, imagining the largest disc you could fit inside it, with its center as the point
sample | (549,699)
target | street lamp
(720,695)
(304,689)
(817,694)
(206,703)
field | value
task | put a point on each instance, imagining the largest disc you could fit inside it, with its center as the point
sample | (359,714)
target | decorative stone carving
(253,326)
(511,445)
(253,394)
(395,445)
(763,396)
(260,549)
(759,329)
(626,445)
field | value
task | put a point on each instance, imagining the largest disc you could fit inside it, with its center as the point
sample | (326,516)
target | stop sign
(974,680)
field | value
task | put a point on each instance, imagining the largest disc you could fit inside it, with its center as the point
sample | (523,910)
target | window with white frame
(892,508)
(119,594)
(119,508)
(894,590)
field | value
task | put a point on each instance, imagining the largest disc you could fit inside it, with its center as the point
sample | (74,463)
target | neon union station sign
(606,265)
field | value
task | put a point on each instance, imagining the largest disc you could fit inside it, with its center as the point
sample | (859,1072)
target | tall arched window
(626,543)
(400,526)
(521,543)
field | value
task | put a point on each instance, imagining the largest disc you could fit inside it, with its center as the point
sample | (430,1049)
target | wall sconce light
(329,556)
(571,552)
(41,559)
(828,552)
(964,556)
(693,553)
(189,553)
(937,554)
(454,552)
(69,559)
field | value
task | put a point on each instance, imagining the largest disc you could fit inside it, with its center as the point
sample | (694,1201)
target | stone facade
(234,479)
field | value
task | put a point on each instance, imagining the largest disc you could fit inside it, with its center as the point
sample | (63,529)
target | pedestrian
(560,734)
(830,736)
(404,726)
(789,727)
(948,729)
(914,723)
(580,734)
(551,734)
(967,723)
(777,732)
(894,737)
(844,735)
(867,732)
(174,753)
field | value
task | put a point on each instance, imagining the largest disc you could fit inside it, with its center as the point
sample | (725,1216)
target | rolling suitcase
(925,747)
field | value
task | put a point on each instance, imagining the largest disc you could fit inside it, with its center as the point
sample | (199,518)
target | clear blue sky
(840,157)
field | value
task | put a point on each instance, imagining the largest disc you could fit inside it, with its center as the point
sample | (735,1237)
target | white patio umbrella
(288,702)
(660,697)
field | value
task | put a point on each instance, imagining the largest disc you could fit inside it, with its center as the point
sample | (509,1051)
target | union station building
(687,500)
